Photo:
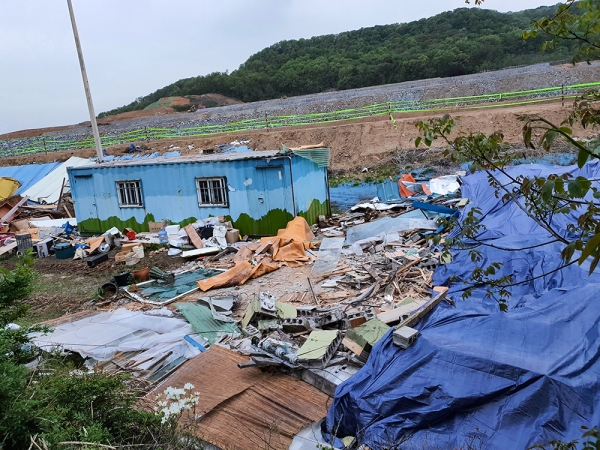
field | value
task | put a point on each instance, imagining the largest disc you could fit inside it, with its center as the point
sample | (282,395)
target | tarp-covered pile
(478,375)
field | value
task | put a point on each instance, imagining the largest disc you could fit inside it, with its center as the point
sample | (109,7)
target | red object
(131,235)
(404,191)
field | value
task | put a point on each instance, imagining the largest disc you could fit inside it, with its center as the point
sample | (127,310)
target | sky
(132,48)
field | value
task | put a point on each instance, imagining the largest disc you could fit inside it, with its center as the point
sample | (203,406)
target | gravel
(507,80)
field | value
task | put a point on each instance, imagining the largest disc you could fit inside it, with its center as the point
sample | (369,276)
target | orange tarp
(287,248)
(297,230)
(238,275)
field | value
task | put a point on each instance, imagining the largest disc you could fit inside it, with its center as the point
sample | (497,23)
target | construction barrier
(41,144)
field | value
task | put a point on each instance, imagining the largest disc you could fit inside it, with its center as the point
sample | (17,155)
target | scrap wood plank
(193,235)
(352,346)
(8,248)
(335,274)
(334,295)
(371,272)
(441,291)
(395,315)
(408,266)
(14,209)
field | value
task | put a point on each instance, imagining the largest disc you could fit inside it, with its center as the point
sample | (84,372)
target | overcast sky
(131,48)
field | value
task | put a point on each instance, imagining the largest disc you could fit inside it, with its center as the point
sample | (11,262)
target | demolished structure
(355,312)
(258,191)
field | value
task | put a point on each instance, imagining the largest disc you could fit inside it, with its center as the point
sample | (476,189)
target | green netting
(38,145)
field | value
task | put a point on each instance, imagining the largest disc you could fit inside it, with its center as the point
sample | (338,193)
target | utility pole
(86,86)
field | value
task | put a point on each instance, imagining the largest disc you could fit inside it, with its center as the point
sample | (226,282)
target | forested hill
(466,40)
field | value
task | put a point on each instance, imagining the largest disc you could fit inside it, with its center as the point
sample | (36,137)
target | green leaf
(547,190)
(590,247)
(527,136)
(559,186)
(579,187)
(418,141)
(566,130)
(582,158)
(594,262)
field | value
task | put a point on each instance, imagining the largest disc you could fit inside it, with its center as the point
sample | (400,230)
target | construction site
(287,259)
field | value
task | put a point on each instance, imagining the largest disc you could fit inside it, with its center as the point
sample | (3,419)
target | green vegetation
(467,40)
(59,404)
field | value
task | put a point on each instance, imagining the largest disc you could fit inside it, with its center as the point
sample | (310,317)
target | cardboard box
(19,225)
(154,227)
(129,247)
(232,236)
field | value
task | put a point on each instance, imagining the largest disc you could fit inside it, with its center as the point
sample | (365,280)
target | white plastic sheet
(102,336)
(387,225)
(444,185)
(328,256)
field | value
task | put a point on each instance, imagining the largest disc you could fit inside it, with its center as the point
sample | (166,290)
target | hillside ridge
(459,42)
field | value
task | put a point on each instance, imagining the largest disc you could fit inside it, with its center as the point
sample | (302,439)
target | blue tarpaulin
(28,174)
(479,376)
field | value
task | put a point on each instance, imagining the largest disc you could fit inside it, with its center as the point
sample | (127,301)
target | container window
(130,193)
(212,191)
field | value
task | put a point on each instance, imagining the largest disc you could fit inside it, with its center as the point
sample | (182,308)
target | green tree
(541,198)
(463,41)
(58,401)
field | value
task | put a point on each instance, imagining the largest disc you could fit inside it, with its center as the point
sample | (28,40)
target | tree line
(459,42)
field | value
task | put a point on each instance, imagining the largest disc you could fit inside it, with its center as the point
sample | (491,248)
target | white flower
(188,386)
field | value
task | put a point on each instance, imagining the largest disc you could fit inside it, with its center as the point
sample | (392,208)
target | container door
(87,212)
(272,200)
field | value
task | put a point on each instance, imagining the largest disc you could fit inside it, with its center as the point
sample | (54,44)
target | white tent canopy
(47,190)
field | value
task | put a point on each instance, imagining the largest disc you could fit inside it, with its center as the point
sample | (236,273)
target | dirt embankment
(354,144)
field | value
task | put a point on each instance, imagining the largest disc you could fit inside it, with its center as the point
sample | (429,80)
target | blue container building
(259,191)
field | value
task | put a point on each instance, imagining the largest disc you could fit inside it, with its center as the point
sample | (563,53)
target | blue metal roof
(28,174)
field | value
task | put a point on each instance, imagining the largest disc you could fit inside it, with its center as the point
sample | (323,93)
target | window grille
(211,191)
(130,193)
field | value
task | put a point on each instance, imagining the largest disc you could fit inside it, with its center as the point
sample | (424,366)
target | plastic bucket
(64,250)
(122,279)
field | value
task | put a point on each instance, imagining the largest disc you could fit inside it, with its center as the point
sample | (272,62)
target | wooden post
(86,85)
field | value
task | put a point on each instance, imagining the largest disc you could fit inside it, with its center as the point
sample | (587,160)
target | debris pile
(365,274)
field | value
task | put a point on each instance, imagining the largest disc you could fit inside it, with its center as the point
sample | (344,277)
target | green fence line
(530,96)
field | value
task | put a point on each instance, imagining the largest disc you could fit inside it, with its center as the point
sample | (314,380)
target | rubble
(366,273)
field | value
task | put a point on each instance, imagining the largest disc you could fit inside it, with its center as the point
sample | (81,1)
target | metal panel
(201,319)
(85,206)
(267,408)
(28,174)
(170,192)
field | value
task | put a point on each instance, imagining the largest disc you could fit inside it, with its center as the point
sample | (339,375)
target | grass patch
(356,177)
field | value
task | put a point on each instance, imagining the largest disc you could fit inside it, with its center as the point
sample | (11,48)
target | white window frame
(129,193)
(212,191)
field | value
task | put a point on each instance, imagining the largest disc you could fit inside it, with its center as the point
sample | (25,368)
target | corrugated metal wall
(259,190)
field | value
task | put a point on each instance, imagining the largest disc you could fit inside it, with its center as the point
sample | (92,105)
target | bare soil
(65,286)
(354,144)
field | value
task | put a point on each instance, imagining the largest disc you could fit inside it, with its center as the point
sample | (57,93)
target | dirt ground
(354,144)
(64,286)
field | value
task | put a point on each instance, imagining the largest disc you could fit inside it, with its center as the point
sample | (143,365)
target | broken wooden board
(8,248)
(403,311)
(193,235)
(352,346)
(201,252)
(441,292)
